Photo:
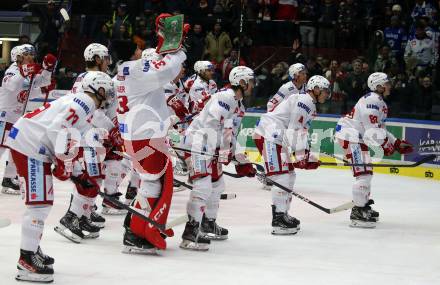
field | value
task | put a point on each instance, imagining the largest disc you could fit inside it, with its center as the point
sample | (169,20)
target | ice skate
(192,237)
(133,244)
(31,268)
(46,259)
(96,218)
(212,230)
(283,224)
(130,194)
(10,186)
(361,217)
(69,228)
(109,208)
(89,230)
(374,214)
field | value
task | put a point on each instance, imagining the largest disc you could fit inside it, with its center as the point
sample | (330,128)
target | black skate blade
(65,232)
(190,245)
(24,275)
(362,224)
(284,231)
(141,251)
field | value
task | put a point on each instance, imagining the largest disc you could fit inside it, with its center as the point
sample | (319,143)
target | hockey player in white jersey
(278,134)
(144,120)
(81,220)
(39,139)
(297,84)
(14,94)
(203,86)
(365,126)
(212,132)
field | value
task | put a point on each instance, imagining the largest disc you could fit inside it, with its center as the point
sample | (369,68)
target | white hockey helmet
(295,69)
(377,79)
(99,84)
(151,54)
(201,65)
(95,49)
(14,52)
(318,81)
(23,49)
(240,73)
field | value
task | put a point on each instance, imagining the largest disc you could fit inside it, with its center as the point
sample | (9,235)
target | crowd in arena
(398,37)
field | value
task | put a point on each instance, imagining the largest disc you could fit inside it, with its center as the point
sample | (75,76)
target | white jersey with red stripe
(12,85)
(289,123)
(201,90)
(214,120)
(142,111)
(104,117)
(38,134)
(286,90)
(368,115)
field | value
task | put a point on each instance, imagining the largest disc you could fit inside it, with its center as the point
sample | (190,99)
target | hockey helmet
(318,81)
(14,52)
(295,69)
(95,49)
(240,73)
(201,65)
(377,79)
(99,84)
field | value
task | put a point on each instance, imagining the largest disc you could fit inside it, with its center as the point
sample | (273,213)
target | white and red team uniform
(108,171)
(279,133)
(36,142)
(355,132)
(13,98)
(286,90)
(199,93)
(144,119)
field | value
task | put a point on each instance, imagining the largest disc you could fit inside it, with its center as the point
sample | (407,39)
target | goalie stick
(137,212)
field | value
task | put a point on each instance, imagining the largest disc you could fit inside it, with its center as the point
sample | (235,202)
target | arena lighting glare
(9,39)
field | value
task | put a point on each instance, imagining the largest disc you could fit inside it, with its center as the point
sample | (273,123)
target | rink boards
(418,132)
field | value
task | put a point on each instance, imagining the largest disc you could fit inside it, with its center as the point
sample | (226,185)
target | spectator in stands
(244,43)
(327,22)
(383,60)
(336,78)
(120,18)
(2,69)
(103,37)
(365,67)
(196,44)
(23,39)
(395,36)
(347,24)
(423,8)
(396,11)
(423,94)
(420,53)
(217,44)
(355,84)
(49,24)
(308,10)
(313,67)
(230,62)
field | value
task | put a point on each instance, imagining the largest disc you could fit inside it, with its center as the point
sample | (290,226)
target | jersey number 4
(123,108)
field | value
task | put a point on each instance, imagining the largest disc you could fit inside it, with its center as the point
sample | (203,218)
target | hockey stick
(4,222)
(426,159)
(134,211)
(224,196)
(337,209)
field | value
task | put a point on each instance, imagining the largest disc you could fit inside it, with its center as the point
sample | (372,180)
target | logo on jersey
(35,176)
(120,89)
(224,105)
(146,66)
(372,106)
(82,105)
(13,133)
(304,106)
(125,71)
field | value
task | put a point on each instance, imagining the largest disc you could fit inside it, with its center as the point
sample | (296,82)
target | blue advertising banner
(421,138)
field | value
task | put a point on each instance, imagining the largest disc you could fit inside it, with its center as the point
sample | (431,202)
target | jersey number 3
(123,108)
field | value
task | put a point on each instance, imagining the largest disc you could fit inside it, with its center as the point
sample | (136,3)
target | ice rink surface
(404,248)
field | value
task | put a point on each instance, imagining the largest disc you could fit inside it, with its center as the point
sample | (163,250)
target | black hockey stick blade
(426,159)
(224,196)
(133,211)
(339,208)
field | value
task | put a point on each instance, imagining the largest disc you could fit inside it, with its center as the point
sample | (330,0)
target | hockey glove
(29,69)
(309,162)
(388,147)
(179,109)
(403,147)
(115,137)
(245,170)
(60,171)
(22,96)
(49,62)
